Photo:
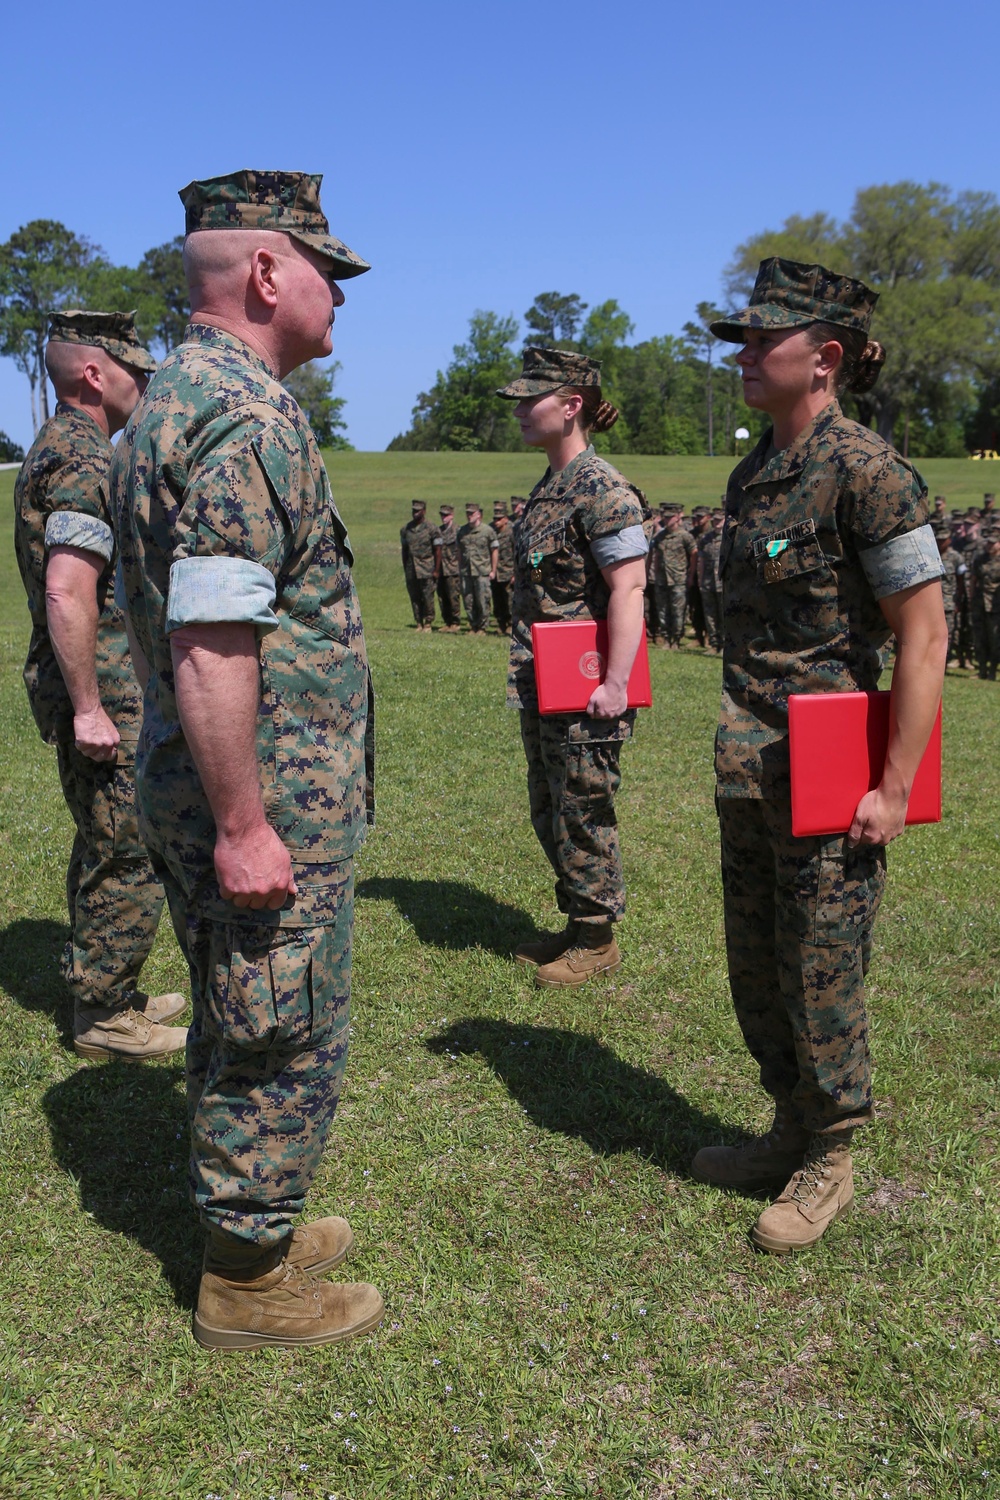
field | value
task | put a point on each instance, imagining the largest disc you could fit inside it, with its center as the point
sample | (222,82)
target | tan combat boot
(281,1307)
(156,1008)
(594,951)
(547,949)
(315,1247)
(126,1034)
(767,1161)
(820,1191)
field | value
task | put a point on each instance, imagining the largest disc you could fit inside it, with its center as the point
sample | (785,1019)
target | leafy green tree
(42,269)
(554,319)
(312,386)
(10,452)
(461,411)
(164,267)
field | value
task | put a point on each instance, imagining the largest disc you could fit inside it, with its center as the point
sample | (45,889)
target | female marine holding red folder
(825,556)
(579,551)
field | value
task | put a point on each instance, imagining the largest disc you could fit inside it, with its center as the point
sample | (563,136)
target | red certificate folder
(837,744)
(571,659)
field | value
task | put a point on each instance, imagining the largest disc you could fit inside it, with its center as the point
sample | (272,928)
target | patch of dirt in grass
(890,1196)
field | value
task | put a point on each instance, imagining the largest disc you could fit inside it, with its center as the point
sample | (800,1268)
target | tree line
(45,268)
(931,254)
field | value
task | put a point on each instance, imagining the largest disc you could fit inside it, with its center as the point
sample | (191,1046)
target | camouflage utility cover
(287,202)
(62,478)
(800,612)
(555,574)
(113,332)
(788,293)
(219,462)
(549,370)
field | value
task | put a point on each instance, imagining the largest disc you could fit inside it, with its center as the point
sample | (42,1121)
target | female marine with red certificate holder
(579,554)
(826,555)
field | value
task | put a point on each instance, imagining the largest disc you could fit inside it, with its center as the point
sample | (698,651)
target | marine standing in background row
(502,586)
(986,603)
(477,556)
(709,583)
(420,545)
(81,685)
(449,593)
(673,563)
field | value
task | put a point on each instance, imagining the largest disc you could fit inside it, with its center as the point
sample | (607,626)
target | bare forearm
(72,621)
(916,692)
(217,679)
(625,628)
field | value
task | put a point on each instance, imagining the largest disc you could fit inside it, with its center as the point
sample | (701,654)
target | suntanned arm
(627,582)
(917,619)
(494,559)
(71,612)
(217,679)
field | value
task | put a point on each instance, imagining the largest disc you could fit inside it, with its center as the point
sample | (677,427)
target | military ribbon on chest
(773,571)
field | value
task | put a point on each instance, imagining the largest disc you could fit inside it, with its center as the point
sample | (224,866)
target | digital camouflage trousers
(799,915)
(421,592)
(573,775)
(671,610)
(450,598)
(477,598)
(266,1049)
(113,896)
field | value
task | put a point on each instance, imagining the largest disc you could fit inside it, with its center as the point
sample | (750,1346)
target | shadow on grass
(569,1082)
(30,949)
(451,914)
(120,1130)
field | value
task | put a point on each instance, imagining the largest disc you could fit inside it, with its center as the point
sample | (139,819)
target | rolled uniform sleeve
(902,562)
(74,528)
(213,590)
(619,547)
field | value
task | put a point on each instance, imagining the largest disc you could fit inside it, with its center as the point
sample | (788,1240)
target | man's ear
(263,277)
(92,377)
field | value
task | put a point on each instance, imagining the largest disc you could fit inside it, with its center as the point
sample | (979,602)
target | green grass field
(569,1314)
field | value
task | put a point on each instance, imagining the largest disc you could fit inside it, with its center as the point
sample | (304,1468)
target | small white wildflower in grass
(448,1388)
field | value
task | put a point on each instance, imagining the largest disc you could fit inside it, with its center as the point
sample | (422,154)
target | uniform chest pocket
(539,546)
(784,560)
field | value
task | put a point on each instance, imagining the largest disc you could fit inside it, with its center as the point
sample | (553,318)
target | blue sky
(480,154)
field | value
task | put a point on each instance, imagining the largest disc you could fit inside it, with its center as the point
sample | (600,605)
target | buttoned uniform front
(573,518)
(114,898)
(476,546)
(448,590)
(814,536)
(224,513)
(418,540)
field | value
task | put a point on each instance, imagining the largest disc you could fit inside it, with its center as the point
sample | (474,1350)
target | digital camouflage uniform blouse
(556,575)
(224,511)
(815,535)
(59,501)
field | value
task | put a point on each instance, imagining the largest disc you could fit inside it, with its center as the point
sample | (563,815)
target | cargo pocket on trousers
(264,998)
(848,891)
(593,752)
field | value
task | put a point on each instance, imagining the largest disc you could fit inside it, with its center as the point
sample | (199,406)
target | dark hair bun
(868,368)
(605,417)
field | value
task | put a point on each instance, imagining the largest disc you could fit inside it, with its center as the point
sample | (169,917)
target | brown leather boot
(281,1307)
(547,949)
(767,1161)
(126,1034)
(156,1008)
(820,1191)
(594,951)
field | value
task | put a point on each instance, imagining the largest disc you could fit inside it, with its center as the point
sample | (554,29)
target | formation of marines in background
(969,544)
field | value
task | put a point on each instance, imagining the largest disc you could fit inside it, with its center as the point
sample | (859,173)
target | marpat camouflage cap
(500,509)
(788,294)
(287,202)
(113,332)
(549,370)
